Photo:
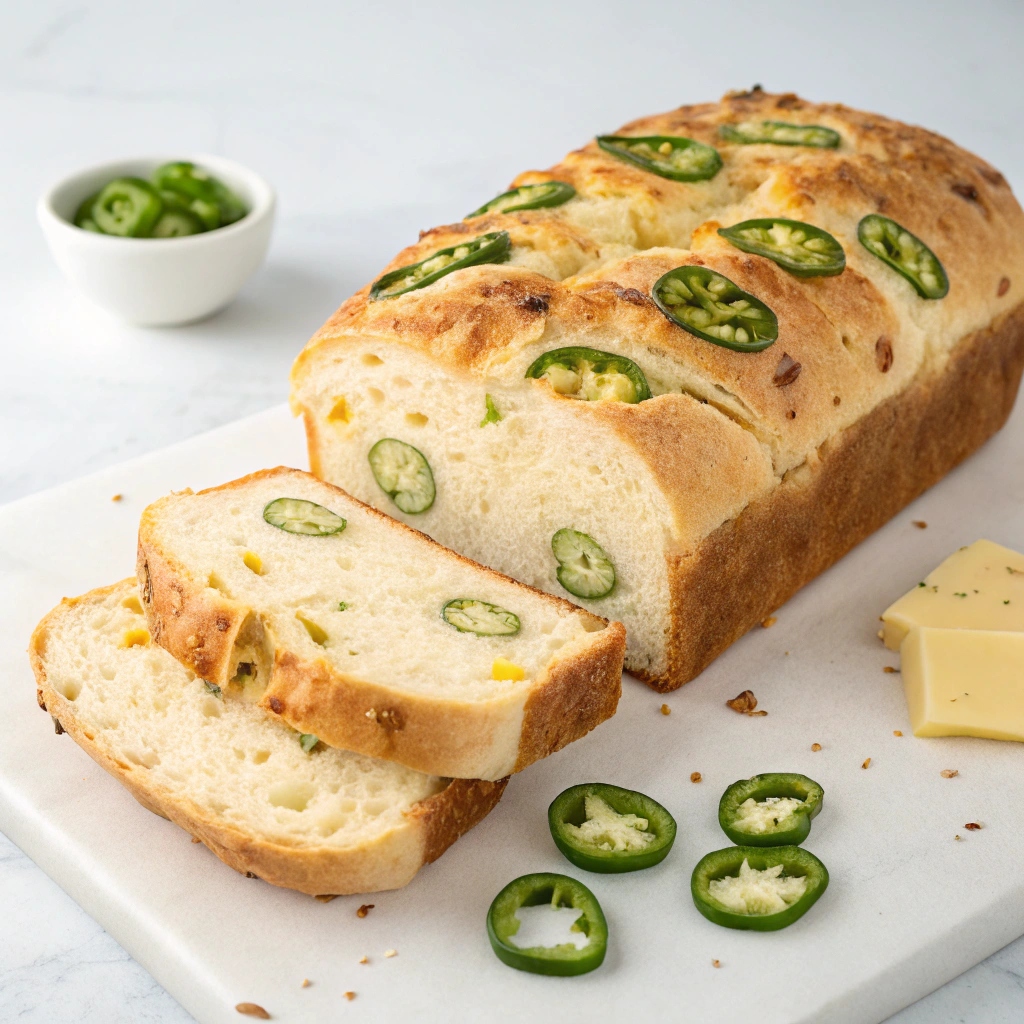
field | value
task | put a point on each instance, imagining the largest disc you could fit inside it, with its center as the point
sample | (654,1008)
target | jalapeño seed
(403,474)
(528,197)
(591,375)
(296,515)
(905,253)
(778,133)
(469,615)
(710,306)
(494,247)
(802,249)
(670,156)
(584,569)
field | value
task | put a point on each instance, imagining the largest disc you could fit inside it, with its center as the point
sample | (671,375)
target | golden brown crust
(389,862)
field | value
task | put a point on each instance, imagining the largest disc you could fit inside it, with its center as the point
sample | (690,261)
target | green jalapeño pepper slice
(670,156)
(296,515)
(468,615)
(905,253)
(802,249)
(774,809)
(758,888)
(518,938)
(591,375)
(403,474)
(779,133)
(199,189)
(528,197)
(128,207)
(583,567)
(710,306)
(494,247)
(609,829)
(83,215)
(177,219)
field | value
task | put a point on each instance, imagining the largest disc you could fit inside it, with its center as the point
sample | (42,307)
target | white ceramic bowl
(158,281)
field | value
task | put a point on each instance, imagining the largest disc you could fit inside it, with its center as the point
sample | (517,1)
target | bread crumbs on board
(897,732)
(365,909)
(949,773)
(117,497)
(364,959)
(769,622)
(350,996)
(920,524)
(716,963)
(867,763)
(815,747)
(665,709)
(390,952)
(252,1010)
(696,777)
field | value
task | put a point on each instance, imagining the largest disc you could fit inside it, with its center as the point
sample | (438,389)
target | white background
(372,121)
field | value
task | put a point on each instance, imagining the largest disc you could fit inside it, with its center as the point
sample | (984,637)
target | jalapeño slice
(554,891)
(779,133)
(609,829)
(528,197)
(774,809)
(591,375)
(758,888)
(403,474)
(128,207)
(802,249)
(905,253)
(192,183)
(176,221)
(494,247)
(83,215)
(583,567)
(671,156)
(296,515)
(709,305)
(468,615)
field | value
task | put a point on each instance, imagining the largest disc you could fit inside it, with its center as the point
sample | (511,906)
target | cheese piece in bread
(322,821)
(368,634)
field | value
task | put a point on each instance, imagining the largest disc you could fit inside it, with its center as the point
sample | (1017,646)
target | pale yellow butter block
(980,586)
(964,682)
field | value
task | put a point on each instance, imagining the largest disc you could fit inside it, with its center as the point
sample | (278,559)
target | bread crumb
(117,497)
(769,622)
(665,709)
(897,732)
(949,773)
(696,777)
(716,963)
(815,747)
(889,669)
(306,983)
(326,898)
(364,959)
(252,1010)
(365,909)
(920,524)
(972,826)
(390,952)
(744,704)
(957,838)
(867,763)
(350,996)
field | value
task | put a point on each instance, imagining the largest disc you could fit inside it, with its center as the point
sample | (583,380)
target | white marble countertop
(371,122)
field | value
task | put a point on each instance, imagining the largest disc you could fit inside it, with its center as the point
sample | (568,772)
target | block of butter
(980,586)
(964,682)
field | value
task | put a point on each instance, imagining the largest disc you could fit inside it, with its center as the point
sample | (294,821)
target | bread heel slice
(345,635)
(322,821)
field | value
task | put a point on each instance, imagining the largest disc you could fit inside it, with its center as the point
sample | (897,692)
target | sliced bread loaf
(319,820)
(362,631)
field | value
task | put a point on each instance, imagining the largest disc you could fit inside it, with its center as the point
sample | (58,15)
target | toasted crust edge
(390,862)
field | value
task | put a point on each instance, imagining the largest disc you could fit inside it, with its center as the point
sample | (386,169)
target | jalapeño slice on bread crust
(778,133)
(468,615)
(403,474)
(527,197)
(591,375)
(494,247)
(709,305)
(670,156)
(905,253)
(774,809)
(296,515)
(609,829)
(504,926)
(583,567)
(802,249)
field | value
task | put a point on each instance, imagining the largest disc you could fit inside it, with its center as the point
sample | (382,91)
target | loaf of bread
(354,628)
(704,471)
(267,801)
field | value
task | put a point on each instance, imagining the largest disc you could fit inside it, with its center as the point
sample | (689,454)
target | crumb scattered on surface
(665,709)
(365,909)
(957,838)
(890,669)
(716,963)
(769,622)
(364,959)
(325,899)
(252,1010)
(117,497)
(920,524)
(867,763)
(391,952)
(696,777)
(949,773)
(350,996)
(815,747)
(744,704)
(972,826)
(897,732)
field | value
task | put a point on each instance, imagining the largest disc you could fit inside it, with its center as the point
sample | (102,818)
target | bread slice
(344,636)
(323,822)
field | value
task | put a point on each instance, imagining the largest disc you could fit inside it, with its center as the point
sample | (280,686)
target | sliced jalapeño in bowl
(128,207)
(609,829)
(757,888)
(297,515)
(802,249)
(527,197)
(470,615)
(779,133)
(773,809)
(584,569)
(670,156)
(403,474)
(582,951)
(712,307)
(494,247)
(894,245)
(591,375)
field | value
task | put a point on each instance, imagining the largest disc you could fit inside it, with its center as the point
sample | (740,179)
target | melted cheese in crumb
(758,892)
(606,829)
(760,816)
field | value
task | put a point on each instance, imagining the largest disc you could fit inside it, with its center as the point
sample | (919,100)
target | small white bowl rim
(262,200)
